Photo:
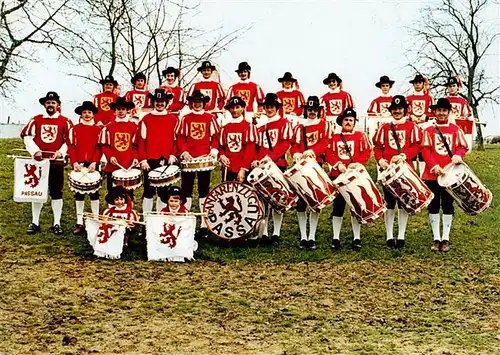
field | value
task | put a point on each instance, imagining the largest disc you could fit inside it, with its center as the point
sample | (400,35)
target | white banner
(31,180)
(170,238)
(106,238)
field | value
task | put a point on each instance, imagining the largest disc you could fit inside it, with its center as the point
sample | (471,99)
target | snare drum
(311,183)
(164,176)
(406,186)
(203,163)
(129,179)
(84,182)
(466,188)
(270,183)
(359,191)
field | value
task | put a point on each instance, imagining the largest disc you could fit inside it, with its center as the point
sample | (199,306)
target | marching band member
(290,96)
(170,86)
(310,141)
(198,135)
(335,100)
(211,88)
(103,100)
(394,142)
(237,142)
(275,136)
(441,141)
(139,95)
(120,206)
(118,141)
(379,106)
(45,137)
(175,202)
(84,151)
(156,144)
(347,149)
(461,113)
(249,91)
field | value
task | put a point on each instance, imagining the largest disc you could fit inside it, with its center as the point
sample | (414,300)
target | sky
(358,40)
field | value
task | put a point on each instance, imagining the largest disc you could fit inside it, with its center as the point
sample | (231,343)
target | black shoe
(33,228)
(56,229)
(390,243)
(356,244)
(303,244)
(312,245)
(335,245)
(252,242)
(201,234)
(264,240)
(275,240)
(79,229)
(400,244)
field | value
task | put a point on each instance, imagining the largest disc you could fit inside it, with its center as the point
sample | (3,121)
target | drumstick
(225,173)
(120,166)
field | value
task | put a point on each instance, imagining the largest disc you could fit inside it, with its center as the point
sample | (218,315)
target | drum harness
(445,142)
(347,148)
(394,134)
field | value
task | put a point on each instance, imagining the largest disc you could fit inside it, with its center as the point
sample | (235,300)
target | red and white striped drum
(466,188)
(269,182)
(359,191)
(406,186)
(311,183)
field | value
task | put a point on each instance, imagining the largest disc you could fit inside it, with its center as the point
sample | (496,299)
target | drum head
(85,177)
(453,174)
(164,171)
(233,210)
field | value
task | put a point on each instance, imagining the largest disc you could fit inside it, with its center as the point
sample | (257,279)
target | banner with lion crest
(106,238)
(31,180)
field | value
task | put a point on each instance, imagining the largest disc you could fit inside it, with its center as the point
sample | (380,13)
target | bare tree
(454,37)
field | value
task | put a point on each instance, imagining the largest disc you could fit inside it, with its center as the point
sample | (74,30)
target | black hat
(397,102)
(243,66)
(170,70)
(384,80)
(138,76)
(160,95)
(172,191)
(108,79)
(51,95)
(419,78)
(271,100)
(348,112)
(206,65)
(313,102)
(86,105)
(121,102)
(115,192)
(452,80)
(235,100)
(198,96)
(287,77)
(441,103)
(332,76)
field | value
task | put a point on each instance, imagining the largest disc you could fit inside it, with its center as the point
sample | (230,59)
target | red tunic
(434,151)
(237,142)
(104,114)
(419,105)
(249,91)
(49,132)
(359,146)
(182,209)
(409,137)
(84,143)
(316,131)
(380,106)
(157,135)
(179,100)
(118,139)
(280,133)
(138,97)
(126,213)
(462,112)
(212,89)
(336,101)
(198,134)
(292,101)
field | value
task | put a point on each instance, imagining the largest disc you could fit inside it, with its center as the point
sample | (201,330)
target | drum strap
(394,134)
(268,138)
(304,133)
(445,142)
(347,148)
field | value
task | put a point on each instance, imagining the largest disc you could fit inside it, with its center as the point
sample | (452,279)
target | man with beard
(335,100)
(45,137)
(291,97)
(249,91)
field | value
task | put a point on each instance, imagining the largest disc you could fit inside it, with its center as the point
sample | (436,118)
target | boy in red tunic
(45,137)
(249,91)
(437,155)
(291,97)
(461,112)
(335,100)
(85,152)
(171,86)
(378,112)
(198,135)
(209,87)
(347,149)
(156,141)
(387,150)
(174,201)
(139,95)
(310,141)
(103,100)
(237,142)
(275,137)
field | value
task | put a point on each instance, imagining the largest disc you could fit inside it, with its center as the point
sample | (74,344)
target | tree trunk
(479,129)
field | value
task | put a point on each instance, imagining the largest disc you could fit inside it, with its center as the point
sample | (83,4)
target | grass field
(56,298)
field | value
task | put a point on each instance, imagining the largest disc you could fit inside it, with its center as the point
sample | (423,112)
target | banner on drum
(31,180)
(170,238)
(106,238)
